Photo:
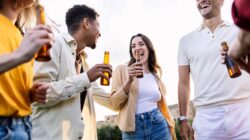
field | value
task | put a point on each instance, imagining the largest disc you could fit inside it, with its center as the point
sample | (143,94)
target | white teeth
(204,6)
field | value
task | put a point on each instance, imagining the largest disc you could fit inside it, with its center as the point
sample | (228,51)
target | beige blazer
(125,104)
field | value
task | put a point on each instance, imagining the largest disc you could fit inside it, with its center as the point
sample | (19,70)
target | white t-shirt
(148,93)
(200,50)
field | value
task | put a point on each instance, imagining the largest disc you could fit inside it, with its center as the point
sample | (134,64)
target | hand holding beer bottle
(43,54)
(233,69)
(104,81)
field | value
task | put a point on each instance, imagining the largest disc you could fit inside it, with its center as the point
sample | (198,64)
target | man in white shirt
(220,101)
(60,118)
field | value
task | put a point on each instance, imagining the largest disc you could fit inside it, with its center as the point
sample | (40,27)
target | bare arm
(240,51)
(184,89)
(183,97)
(31,43)
(9,61)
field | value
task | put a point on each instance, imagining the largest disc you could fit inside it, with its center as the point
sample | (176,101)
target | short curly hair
(76,14)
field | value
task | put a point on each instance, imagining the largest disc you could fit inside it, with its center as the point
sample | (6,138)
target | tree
(109,132)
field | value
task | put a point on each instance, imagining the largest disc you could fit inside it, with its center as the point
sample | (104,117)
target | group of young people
(55,100)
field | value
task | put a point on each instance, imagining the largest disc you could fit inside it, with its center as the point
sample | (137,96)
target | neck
(212,22)
(11,13)
(80,42)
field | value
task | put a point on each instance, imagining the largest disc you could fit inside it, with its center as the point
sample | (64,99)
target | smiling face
(94,33)
(138,45)
(209,8)
(147,53)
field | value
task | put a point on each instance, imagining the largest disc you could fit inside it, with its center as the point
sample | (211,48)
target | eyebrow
(138,42)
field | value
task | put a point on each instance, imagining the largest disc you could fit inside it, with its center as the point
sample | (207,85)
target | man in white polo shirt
(220,101)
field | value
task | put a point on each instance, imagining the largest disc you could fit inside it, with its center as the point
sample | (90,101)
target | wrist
(182,119)
(19,56)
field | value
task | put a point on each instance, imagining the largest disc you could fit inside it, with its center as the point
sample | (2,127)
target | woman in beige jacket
(143,112)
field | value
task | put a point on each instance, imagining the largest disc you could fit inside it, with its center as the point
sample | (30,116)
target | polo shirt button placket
(212,36)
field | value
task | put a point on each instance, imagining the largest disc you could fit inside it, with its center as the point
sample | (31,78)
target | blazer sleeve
(118,95)
(59,90)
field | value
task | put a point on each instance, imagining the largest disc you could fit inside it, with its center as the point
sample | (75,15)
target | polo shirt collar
(224,23)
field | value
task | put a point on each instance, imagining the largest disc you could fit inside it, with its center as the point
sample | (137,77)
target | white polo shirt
(200,50)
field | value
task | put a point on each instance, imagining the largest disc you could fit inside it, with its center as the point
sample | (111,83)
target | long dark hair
(153,65)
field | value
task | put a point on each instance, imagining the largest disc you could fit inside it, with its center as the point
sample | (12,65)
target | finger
(41,97)
(243,64)
(192,135)
(184,136)
(107,70)
(43,27)
(223,61)
(42,89)
(36,85)
(106,77)
(105,66)
(41,34)
(41,101)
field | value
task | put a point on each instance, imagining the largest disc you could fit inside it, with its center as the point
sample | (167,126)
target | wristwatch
(181,119)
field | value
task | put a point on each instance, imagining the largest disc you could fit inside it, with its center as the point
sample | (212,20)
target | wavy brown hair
(153,65)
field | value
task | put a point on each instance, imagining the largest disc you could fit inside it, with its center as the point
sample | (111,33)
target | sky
(163,21)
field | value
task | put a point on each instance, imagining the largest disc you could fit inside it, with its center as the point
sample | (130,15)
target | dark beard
(93,46)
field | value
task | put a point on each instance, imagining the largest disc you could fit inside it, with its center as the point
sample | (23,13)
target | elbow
(115,105)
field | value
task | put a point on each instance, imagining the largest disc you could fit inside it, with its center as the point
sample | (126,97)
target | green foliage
(108,132)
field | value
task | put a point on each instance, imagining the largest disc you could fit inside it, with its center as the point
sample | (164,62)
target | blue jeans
(149,126)
(15,128)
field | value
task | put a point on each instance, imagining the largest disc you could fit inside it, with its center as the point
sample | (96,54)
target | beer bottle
(233,69)
(104,81)
(43,54)
(138,59)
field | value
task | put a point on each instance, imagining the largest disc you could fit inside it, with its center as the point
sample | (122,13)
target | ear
(85,23)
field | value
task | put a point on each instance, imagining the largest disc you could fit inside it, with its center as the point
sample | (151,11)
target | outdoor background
(163,21)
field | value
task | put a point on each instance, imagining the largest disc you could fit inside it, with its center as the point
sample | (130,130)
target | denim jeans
(149,126)
(15,128)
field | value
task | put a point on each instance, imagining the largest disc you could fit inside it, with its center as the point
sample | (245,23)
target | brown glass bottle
(43,54)
(233,69)
(138,59)
(104,81)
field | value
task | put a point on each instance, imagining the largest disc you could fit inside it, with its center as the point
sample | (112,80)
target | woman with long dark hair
(143,112)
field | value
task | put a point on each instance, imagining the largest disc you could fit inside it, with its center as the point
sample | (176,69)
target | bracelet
(182,118)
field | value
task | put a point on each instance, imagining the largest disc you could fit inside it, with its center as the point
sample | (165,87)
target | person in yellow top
(143,112)
(16,73)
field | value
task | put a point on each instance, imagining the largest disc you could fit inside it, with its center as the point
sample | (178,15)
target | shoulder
(189,36)
(61,41)
(120,67)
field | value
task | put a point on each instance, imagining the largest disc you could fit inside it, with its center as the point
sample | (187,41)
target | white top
(148,93)
(61,118)
(200,50)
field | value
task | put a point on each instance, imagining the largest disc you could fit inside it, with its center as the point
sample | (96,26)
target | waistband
(147,114)
(13,120)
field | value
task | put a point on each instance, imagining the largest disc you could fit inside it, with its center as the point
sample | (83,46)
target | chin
(93,46)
